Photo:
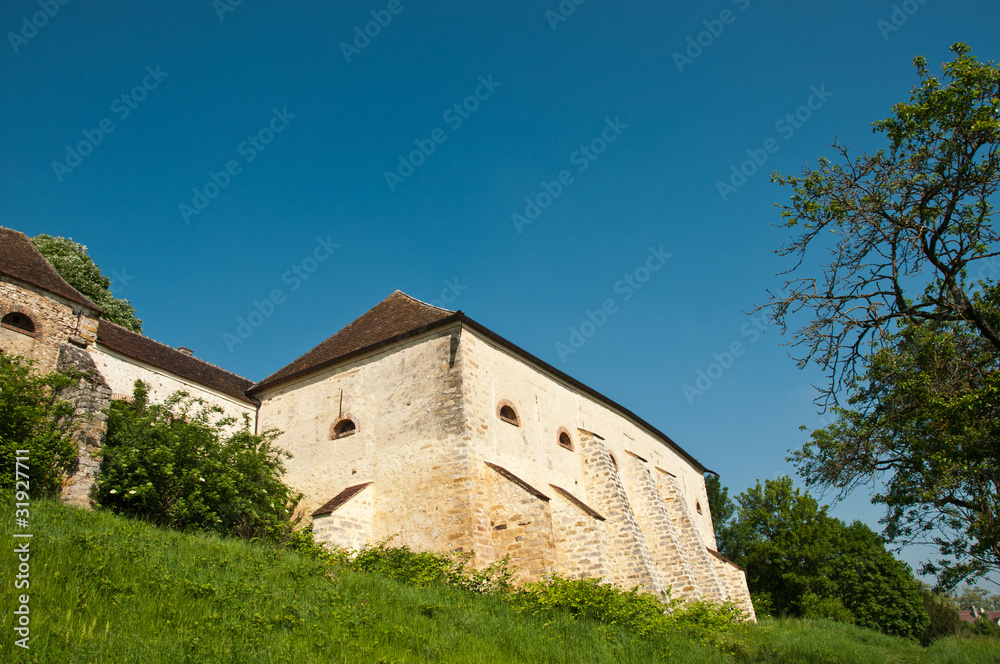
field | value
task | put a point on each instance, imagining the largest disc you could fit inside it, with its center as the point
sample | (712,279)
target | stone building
(418,422)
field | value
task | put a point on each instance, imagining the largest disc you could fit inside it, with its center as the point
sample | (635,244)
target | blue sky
(211,155)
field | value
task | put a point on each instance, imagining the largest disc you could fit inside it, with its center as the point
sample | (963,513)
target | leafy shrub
(32,417)
(175,465)
(425,568)
(590,599)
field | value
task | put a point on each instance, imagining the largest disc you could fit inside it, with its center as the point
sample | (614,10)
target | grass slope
(106,589)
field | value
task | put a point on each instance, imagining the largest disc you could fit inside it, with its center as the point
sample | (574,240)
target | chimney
(186,351)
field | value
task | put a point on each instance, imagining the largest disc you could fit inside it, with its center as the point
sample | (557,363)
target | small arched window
(614,461)
(506,412)
(343,427)
(697,506)
(565,440)
(18,321)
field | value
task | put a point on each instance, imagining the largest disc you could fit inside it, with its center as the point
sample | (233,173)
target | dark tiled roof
(396,315)
(340,499)
(518,481)
(20,259)
(170,359)
(576,501)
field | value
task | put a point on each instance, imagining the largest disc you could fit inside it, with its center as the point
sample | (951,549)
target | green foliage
(425,568)
(175,465)
(943,617)
(905,318)
(720,506)
(928,418)
(71,261)
(801,562)
(978,597)
(34,418)
(589,599)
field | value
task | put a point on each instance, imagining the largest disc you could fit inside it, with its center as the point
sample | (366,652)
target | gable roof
(400,316)
(396,315)
(144,349)
(20,259)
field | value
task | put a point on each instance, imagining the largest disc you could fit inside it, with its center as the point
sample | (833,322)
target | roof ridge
(419,301)
(171,348)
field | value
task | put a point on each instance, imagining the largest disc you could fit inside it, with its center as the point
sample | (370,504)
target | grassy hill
(106,589)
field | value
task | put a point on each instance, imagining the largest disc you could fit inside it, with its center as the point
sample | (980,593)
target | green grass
(106,589)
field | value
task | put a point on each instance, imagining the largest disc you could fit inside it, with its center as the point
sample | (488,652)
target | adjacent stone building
(418,422)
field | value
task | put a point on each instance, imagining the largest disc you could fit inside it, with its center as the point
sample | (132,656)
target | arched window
(18,321)
(697,506)
(564,439)
(507,413)
(614,461)
(343,427)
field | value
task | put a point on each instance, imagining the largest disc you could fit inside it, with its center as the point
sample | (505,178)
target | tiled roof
(967,616)
(396,315)
(164,357)
(340,499)
(20,259)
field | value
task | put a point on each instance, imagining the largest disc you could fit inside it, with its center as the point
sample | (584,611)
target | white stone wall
(408,440)
(121,372)
(545,404)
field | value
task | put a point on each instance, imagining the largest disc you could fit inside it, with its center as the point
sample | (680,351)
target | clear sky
(221,158)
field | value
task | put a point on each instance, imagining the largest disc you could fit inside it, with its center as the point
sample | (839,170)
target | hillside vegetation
(108,589)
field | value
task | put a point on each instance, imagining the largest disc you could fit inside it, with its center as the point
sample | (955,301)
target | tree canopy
(71,261)
(905,317)
(801,561)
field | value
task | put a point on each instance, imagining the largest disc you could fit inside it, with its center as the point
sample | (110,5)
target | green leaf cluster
(33,417)
(71,261)
(182,465)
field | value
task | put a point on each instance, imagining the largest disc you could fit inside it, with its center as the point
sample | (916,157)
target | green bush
(590,599)
(33,418)
(425,568)
(180,464)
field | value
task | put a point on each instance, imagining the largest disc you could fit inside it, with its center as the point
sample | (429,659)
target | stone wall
(410,442)
(55,322)
(447,473)
(90,397)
